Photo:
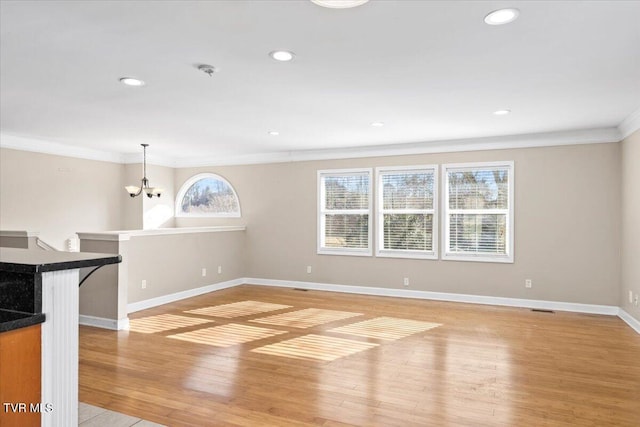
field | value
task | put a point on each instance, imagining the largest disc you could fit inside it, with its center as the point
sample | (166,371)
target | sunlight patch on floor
(385,328)
(163,322)
(315,347)
(238,309)
(306,318)
(226,335)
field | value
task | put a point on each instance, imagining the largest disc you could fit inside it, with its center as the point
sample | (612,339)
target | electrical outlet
(143,285)
(204,272)
(308,269)
(219,269)
(631,297)
(636,300)
(406,281)
(528,283)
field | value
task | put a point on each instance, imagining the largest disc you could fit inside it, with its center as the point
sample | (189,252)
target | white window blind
(407,199)
(344,223)
(479,212)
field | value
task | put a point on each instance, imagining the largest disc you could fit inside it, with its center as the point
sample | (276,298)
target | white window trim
(400,253)
(321,212)
(188,183)
(509,240)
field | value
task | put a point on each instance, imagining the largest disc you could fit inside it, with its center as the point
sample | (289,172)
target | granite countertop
(10,320)
(39,261)
(20,284)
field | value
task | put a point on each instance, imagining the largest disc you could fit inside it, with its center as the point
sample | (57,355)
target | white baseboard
(629,320)
(104,323)
(398,293)
(165,299)
(442,296)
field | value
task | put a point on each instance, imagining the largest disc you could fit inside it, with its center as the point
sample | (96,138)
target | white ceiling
(430,70)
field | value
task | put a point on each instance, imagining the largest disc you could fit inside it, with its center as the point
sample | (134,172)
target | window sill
(479,258)
(346,252)
(406,254)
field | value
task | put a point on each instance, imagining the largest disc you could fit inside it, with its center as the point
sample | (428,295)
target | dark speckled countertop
(39,261)
(10,320)
(21,282)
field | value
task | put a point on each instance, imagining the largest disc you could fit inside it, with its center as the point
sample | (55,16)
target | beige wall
(14,242)
(173,263)
(567,227)
(102,295)
(159,211)
(58,196)
(568,212)
(631,224)
(169,263)
(132,208)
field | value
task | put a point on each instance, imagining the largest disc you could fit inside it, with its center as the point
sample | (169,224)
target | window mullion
(345,212)
(478,211)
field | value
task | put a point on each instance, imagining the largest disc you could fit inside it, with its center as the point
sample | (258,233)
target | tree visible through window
(345,212)
(208,195)
(479,211)
(407,199)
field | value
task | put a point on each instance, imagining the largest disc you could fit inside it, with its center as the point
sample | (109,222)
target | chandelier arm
(138,193)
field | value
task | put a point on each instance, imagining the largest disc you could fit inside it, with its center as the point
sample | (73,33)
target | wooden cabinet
(20,370)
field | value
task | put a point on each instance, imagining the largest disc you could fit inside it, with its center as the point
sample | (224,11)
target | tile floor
(93,416)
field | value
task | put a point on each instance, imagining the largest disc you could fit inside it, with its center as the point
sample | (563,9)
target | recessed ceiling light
(501,16)
(131,81)
(377,124)
(339,4)
(274,133)
(281,55)
(502,112)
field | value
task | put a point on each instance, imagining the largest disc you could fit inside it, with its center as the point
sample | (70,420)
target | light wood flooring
(262,356)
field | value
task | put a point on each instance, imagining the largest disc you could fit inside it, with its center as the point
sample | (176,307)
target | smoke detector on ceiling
(208,69)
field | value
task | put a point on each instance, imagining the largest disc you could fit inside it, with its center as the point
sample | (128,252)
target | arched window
(207,195)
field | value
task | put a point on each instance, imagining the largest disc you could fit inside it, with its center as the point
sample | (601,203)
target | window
(207,195)
(406,211)
(345,204)
(478,215)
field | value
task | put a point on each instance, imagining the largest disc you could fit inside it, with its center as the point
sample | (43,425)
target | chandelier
(134,190)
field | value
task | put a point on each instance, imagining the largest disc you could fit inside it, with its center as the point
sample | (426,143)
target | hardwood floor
(361,360)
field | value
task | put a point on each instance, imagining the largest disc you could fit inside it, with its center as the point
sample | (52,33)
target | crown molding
(152,159)
(574,137)
(48,147)
(36,145)
(630,124)
(245,159)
